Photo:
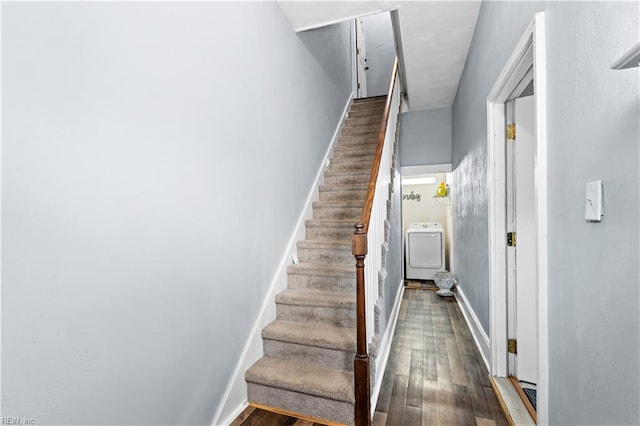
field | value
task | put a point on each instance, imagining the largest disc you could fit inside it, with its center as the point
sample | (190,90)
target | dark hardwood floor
(252,416)
(435,374)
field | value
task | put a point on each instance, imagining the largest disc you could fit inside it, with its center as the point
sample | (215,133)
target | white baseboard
(234,399)
(385,346)
(479,336)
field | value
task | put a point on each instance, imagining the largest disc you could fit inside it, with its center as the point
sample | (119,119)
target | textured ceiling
(435,39)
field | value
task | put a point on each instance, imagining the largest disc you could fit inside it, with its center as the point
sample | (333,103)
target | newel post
(361,360)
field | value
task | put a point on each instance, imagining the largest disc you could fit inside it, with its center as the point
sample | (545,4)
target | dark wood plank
(446,404)
(262,417)
(243,416)
(412,416)
(398,401)
(464,409)
(478,399)
(429,402)
(494,406)
(414,391)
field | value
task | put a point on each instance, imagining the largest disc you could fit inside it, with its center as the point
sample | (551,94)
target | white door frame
(531,49)
(354,60)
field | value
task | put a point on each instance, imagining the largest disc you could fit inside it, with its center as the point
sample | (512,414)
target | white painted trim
(506,81)
(342,19)
(354,59)
(497,228)
(235,395)
(426,169)
(385,346)
(540,77)
(478,333)
(234,414)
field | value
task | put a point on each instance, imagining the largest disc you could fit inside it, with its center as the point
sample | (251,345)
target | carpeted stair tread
(319,381)
(343,204)
(358,172)
(313,298)
(343,187)
(322,270)
(365,113)
(368,149)
(336,245)
(348,210)
(340,223)
(329,229)
(358,141)
(311,334)
(375,105)
(356,162)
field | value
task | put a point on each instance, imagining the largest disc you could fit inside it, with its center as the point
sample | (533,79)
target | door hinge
(358,85)
(511,131)
(512,346)
(357,51)
(511,239)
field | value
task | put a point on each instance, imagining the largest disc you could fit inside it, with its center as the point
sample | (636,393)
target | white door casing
(532,42)
(361,59)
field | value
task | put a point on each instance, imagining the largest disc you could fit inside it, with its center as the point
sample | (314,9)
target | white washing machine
(424,250)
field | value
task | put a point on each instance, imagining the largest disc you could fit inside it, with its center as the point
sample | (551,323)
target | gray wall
(593,133)
(155,159)
(425,137)
(381,52)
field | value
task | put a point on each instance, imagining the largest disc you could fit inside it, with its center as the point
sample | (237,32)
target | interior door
(361,58)
(522,259)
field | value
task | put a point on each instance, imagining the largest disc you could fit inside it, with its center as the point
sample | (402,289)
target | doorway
(421,203)
(517,182)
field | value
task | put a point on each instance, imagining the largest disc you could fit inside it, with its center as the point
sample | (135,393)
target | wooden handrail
(361,368)
(371,191)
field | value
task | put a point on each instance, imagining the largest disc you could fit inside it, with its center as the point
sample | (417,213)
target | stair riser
(359,130)
(322,283)
(377,106)
(349,166)
(330,232)
(358,141)
(364,121)
(331,256)
(362,113)
(366,148)
(340,213)
(312,355)
(348,179)
(345,195)
(336,316)
(370,102)
(355,155)
(314,406)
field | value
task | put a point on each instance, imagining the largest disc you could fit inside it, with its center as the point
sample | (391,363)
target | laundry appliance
(424,250)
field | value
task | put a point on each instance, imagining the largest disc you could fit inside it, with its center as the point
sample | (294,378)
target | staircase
(307,366)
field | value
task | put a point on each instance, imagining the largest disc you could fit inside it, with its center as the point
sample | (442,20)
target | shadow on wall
(329,42)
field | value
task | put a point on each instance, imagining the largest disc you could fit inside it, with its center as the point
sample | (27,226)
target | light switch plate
(593,208)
